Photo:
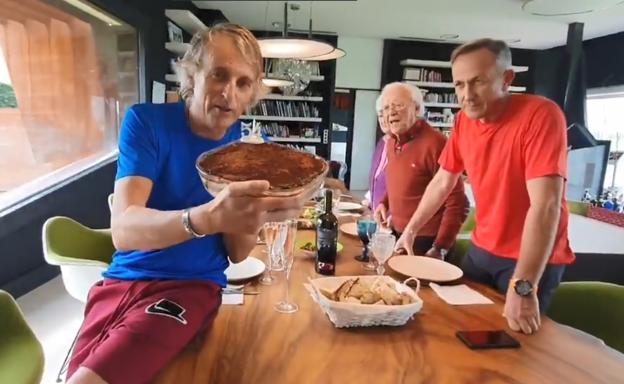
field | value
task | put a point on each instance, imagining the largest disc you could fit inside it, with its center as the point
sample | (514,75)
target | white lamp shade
(337,53)
(287,48)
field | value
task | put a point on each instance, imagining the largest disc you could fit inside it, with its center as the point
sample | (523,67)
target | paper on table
(232,298)
(459,294)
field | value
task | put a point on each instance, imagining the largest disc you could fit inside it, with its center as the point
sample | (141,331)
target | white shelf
(442,105)
(186,20)
(177,48)
(274,96)
(126,53)
(295,139)
(446,64)
(441,125)
(430,84)
(312,78)
(282,118)
(433,84)
(171,77)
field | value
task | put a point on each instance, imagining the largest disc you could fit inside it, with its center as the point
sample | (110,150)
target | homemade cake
(284,168)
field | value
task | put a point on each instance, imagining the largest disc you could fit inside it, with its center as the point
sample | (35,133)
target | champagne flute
(288,259)
(382,246)
(270,236)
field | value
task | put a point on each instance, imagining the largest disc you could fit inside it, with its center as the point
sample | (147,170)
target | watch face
(523,287)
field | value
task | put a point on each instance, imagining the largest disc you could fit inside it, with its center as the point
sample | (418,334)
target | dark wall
(21,254)
(604,57)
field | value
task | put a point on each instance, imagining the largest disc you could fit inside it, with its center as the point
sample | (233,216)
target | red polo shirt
(412,163)
(528,141)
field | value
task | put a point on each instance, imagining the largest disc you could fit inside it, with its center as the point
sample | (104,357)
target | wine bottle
(326,238)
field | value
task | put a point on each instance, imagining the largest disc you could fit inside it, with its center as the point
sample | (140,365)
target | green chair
(469,223)
(578,207)
(82,254)
(459,251)
(21,354)
(593,307)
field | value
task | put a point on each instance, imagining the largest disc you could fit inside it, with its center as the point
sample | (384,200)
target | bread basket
(344,314)
(214,183)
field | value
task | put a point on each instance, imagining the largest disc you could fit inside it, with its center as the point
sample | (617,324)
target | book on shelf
(422,74)
(273,129)
(283,108)
(434,97)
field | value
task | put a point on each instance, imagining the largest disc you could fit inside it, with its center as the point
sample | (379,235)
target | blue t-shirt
(156,142)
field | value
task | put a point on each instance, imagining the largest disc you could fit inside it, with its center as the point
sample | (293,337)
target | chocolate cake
(283,167)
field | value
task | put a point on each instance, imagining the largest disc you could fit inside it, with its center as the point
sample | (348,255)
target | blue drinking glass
(365,229)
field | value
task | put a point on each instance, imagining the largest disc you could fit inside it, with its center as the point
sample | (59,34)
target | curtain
(55,73)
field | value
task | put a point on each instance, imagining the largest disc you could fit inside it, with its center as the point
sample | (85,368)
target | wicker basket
(214,184)
(344,314)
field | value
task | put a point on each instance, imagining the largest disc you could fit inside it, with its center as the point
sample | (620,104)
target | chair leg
(65,365)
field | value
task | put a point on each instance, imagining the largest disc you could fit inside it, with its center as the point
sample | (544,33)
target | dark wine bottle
(326,238)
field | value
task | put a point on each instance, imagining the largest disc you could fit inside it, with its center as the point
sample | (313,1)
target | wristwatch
(186,221)
(522,287)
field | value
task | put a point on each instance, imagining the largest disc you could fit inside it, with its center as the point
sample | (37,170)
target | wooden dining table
(253,343)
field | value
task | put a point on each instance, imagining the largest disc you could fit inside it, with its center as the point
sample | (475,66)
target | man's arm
(436,193)
(237,209)
(540,227)
(239,246)
(134,226)
(538,238)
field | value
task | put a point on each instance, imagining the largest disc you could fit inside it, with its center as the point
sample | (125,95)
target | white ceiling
(470,19)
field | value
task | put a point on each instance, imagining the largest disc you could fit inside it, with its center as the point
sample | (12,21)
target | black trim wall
(21,255)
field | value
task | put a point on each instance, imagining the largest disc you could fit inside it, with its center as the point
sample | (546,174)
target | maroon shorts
(132,329)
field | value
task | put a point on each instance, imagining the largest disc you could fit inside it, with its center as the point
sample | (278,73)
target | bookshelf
(186,20)
(177,48)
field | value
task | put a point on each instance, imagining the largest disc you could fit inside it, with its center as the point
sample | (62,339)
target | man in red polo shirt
(514,150)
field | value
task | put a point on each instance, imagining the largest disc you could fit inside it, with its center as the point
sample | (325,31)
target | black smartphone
(487,339)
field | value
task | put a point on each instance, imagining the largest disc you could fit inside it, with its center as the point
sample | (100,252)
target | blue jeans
(484,267)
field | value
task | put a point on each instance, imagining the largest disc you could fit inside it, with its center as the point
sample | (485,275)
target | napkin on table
(459,294)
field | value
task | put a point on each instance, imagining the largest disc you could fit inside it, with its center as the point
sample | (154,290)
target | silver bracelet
(186,221)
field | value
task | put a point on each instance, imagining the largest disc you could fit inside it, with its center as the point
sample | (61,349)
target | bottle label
(326,243)
(325,267)
(326,239)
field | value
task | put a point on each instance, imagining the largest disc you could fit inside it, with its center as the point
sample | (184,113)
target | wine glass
(382,245)
(288,259)
(366,227)
(272,238)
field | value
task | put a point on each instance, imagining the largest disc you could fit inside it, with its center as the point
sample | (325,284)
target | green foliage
(7,96)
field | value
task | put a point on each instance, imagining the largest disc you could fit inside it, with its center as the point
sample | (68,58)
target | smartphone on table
(487,339)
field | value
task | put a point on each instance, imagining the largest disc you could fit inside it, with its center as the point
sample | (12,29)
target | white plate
(246,269)
(425,268)
(349,228)
(348,206)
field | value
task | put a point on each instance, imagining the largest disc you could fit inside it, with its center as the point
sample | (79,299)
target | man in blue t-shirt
(173,239)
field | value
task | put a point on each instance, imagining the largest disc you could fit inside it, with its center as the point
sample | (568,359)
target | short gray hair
(415,92)
(379,105)
(498,48)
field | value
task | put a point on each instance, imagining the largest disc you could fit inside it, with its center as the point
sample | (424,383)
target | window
(68,71)
(604,120)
